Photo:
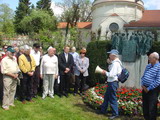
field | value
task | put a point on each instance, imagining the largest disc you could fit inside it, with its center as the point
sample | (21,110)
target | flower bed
(129,99)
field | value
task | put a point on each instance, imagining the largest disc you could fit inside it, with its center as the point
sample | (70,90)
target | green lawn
(71,108)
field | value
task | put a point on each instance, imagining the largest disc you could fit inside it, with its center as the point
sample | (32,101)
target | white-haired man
(115,69)
(75,57)
(150,84)
(27,66)
(9,69)
(49,72)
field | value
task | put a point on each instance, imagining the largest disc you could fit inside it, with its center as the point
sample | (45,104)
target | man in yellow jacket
(27,66)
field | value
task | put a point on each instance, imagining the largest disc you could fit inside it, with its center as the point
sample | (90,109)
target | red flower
(129,93)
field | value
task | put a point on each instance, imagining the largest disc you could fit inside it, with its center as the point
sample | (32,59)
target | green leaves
(37,21)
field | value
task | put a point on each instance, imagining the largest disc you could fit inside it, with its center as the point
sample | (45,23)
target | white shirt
(66,56)
(36,56)
(9,65)
(49,65)
(115,69)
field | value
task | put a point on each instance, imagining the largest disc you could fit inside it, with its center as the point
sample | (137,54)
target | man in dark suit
(66,63)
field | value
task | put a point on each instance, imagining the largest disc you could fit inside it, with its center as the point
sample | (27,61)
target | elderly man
(150,84)
(66,63)
(75,57)
(27,65)
(9,69)
(49,72)
(112,79)
(36,76)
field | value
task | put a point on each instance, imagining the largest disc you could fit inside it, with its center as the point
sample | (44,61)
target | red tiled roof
(82,25)
(114,14)
(151,18)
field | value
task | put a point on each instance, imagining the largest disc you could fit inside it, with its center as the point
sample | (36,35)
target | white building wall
(103,10)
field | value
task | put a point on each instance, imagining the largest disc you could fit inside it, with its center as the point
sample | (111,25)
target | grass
(71,108)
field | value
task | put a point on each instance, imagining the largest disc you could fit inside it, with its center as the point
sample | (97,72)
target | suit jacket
(82,66)
(63,64)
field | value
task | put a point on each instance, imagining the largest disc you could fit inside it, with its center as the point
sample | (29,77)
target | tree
(6,19)
(45,5)
(75,11)
(23,10)
(37,21)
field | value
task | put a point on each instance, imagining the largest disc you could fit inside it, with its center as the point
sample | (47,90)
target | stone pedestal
(136,70)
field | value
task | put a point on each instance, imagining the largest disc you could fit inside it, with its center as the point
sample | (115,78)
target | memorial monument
(109,18)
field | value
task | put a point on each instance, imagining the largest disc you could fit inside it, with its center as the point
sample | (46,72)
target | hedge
(96,52)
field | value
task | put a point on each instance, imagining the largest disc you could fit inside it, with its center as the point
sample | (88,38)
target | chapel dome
(140,2)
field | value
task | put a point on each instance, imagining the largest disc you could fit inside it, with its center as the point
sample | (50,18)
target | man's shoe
(51,96)
(80,94)
(99,112)
(113,117)
(35,96)
(5,108)
(65,94)
(74,94)
(12,105)
(43,97)
(24,102)
(31,101)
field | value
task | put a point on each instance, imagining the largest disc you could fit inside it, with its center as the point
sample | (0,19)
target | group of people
(68,66)
(27,67)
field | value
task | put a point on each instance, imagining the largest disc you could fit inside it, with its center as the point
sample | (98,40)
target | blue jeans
(110,98)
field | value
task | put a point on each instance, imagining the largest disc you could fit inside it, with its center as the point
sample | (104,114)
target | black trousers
(79,83)
(26,87)
(35,81)
(64,83)
(150,101)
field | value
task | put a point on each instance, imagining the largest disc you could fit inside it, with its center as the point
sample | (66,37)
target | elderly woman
(82,65)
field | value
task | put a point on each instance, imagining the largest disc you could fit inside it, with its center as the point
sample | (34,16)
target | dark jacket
(63,64)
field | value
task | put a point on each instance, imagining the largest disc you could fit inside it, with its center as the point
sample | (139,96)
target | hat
(49,48)
(11,49)
(36,45)
(115,52)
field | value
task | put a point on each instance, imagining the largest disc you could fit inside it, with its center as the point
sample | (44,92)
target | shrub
(155,47)
(96,52)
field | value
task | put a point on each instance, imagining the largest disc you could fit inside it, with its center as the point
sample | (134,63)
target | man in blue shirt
(150,84)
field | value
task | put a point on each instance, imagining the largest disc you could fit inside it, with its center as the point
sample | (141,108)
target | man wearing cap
(112,80)
(9,69)
(27,65)
(36,76)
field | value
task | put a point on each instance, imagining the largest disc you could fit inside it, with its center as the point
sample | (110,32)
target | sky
(149,4)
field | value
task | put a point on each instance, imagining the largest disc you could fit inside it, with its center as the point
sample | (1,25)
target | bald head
(73,49)
(154,58)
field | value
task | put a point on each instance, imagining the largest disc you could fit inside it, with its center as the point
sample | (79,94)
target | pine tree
(45,5)
(23,10)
